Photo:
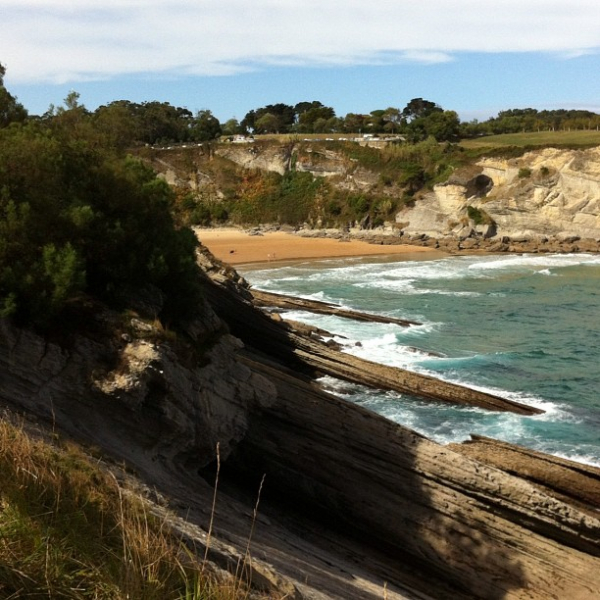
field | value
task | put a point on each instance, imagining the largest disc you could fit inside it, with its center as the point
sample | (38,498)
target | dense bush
(76,219)
(270,197)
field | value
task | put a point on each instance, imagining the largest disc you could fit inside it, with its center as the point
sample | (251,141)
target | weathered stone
(372,501)
(567,480)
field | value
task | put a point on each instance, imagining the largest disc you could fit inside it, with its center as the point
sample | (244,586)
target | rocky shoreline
(351,504)
(472,242)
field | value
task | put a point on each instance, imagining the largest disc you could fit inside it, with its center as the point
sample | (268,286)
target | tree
(443,126)
(418,108)
(355,123)
(11,111)
(308,118)
(231,127)
(375,121)
(392,118)
(285,117)
(308,113)
(267,123)
(76,218)
(206,127)
(119,122)
(162,123)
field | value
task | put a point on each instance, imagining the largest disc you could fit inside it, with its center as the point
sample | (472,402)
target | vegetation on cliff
(78,218)
(68,530)
(222,190)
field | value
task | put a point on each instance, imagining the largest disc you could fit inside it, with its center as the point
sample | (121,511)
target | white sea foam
(423,291)
(577,456)
(534,262)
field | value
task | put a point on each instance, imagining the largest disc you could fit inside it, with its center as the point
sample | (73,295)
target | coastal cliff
(543,196)
(546,199)
(353,505)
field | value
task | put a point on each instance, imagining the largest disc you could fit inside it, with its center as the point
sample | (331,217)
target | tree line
(127,123)
(81,219)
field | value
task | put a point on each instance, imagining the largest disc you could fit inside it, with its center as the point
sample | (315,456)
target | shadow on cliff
(395,497)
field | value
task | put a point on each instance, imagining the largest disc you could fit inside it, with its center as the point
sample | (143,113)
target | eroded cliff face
(183,167)
(545,194)
(548,195)
(378,510)
(135,393)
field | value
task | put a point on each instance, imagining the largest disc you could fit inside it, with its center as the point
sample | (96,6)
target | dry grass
(67,531)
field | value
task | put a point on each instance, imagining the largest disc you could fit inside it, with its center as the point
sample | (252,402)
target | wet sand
(236,247)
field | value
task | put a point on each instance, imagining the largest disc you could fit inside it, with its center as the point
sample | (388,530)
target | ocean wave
(536,262)
(491,311)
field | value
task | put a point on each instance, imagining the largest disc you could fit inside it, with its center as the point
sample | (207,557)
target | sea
(525,327)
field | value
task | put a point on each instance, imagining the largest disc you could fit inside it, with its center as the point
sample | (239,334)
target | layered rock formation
(353,506)
(547,199)
(547,196)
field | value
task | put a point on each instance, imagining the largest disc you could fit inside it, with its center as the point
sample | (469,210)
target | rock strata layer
(571,481)
(354,506)
(486,533)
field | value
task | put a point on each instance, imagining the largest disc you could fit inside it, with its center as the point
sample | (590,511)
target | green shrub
(478,216)
(524,172)
(75,218)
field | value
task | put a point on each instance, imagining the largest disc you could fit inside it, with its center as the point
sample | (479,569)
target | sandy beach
(235,247)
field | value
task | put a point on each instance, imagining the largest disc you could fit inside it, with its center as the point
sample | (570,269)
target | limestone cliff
(541,195)
(548,196)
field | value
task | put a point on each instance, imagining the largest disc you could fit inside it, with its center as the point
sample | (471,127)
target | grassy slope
(68,531)
(542,138)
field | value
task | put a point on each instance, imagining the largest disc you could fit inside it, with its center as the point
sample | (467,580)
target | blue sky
(231,56)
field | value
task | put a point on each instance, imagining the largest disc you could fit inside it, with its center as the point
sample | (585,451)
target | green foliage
(270,197)
(206,127)
(75,218)
(524,172)
(358,205)
(11,111)
(478,216)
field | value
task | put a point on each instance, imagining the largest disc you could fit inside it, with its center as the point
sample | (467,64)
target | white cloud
(64,41)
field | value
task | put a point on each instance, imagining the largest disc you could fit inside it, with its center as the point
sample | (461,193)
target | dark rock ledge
(271,300)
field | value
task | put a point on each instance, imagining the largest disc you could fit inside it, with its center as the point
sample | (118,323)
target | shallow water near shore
(526,327)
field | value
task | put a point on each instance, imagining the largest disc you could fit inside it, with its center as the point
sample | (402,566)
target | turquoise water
(526,327)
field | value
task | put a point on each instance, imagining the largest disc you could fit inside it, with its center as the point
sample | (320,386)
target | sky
(476,57)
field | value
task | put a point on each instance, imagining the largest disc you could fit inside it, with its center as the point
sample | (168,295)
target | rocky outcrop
(310,355)
(567,480)
(352,505)
(545,196)
(136,395)
(485,533)
(547,200)
(275,158)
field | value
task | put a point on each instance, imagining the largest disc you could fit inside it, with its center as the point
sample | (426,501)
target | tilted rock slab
(490,534)
(305,353)
(572,481)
